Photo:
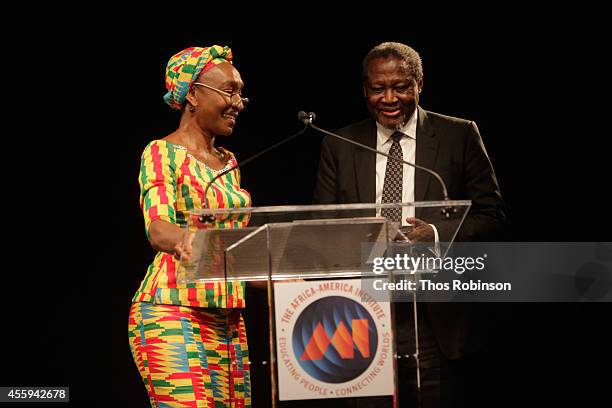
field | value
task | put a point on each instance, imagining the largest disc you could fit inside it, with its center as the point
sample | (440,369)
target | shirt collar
(409,129)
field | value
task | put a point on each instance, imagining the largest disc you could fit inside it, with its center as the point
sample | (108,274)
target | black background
(85,97)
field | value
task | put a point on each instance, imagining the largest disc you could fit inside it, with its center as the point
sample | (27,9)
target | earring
(192,108)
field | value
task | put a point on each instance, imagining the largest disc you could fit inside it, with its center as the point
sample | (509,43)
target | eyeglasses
(243,101)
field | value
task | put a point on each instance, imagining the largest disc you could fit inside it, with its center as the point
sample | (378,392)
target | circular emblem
(335,339)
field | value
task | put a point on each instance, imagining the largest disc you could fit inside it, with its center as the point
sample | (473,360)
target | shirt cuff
(436,240)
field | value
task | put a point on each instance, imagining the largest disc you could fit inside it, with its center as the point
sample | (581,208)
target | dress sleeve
(157,184)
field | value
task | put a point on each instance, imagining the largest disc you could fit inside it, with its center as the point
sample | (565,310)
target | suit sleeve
(326,185)
(486,219)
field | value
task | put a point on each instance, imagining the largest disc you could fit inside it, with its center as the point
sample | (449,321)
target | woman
(181,335)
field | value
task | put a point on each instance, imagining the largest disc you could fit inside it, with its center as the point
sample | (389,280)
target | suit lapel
(365,164)
(426,153)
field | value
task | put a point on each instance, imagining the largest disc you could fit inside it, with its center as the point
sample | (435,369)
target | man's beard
(398,126)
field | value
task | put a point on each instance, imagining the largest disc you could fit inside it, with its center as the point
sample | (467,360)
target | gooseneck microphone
(210,218)
(308,117)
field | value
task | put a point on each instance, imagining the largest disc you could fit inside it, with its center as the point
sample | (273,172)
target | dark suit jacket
(452,147)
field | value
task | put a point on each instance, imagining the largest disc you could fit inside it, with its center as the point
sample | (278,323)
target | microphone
(210,218)
(308,117)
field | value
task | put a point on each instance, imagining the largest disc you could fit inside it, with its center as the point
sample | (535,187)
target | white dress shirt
(408,144)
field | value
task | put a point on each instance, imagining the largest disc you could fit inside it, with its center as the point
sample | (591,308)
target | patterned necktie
(392,187)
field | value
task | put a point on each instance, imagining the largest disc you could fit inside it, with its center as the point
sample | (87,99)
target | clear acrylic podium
(305,243)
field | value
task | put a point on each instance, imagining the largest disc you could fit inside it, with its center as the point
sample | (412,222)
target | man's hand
(420,231)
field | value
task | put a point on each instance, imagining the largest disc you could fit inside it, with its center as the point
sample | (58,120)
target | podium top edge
(332,207)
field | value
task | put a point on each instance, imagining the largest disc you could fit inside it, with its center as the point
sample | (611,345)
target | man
(392,84)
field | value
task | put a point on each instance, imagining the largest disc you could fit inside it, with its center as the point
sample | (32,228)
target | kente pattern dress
(185,337)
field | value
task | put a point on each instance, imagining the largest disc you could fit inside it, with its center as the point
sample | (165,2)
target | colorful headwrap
(185,66)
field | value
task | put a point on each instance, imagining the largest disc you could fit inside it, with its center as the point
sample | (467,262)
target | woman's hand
(183,249)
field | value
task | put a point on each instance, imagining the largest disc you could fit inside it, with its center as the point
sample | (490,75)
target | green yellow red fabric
(184,67)
(172,183)
(191,357)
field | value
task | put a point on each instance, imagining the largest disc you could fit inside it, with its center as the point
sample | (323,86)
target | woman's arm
(168,237)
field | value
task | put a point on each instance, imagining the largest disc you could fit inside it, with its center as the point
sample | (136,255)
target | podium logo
(335,339)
